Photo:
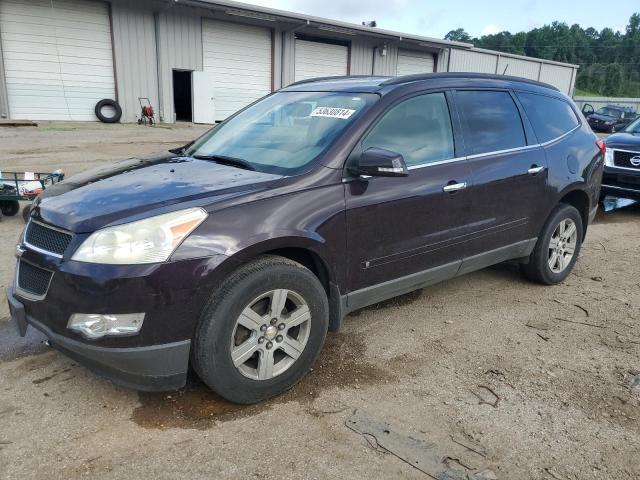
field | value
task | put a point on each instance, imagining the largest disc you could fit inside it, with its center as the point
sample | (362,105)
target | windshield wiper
(224,160)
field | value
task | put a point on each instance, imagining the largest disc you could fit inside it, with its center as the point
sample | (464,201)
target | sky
(435,18)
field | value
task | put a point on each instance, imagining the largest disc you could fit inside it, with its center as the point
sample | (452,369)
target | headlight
(608,157)
(150,240)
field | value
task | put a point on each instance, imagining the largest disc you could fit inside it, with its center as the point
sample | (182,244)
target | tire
(539,269)
(26,212)
(107,102)
(219,331)
(9,207)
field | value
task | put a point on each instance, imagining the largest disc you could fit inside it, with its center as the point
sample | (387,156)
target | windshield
(284,132)
(633,127)
(609,112)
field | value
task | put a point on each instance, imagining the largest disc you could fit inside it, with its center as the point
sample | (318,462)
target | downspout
(4,96)
(156,27)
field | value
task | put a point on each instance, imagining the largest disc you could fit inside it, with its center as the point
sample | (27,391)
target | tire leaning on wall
(107,102)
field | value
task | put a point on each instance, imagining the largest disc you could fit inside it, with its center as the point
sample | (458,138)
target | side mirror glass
(378,162)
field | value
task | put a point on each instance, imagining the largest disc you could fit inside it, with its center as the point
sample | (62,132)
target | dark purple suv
(237,253)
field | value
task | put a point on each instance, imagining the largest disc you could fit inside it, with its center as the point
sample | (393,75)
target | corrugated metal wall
(558,76)
(134,48)
(361,58)
(180,47)
(518,67)
(442,60)
(288,54)
(388,64)
(469,61)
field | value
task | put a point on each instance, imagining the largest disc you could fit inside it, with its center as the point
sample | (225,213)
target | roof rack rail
(492,76)
(335,77)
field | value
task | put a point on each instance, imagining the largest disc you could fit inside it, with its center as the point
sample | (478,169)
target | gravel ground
(562,361)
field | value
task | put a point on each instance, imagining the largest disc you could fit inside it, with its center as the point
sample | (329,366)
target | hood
(137,187)
(624,140)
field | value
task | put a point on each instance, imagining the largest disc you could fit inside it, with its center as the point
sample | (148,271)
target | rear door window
(550,117)
(492,120)
(418,128)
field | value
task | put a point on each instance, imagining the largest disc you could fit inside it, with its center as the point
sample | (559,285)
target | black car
(622,163)
(237,253)
(609,119)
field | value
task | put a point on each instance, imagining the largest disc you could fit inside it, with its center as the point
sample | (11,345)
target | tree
(609,60)
(613,79)
(458,35)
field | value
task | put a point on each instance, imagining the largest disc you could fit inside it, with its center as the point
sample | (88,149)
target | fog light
(94,325)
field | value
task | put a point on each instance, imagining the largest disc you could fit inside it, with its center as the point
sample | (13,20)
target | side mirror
(378,162)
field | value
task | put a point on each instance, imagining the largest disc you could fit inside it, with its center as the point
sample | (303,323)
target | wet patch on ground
(13,346)
(340,365)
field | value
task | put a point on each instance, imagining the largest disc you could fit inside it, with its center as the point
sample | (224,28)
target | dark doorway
(182,102)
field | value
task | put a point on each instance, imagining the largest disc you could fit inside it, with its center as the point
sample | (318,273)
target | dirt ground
(526,381)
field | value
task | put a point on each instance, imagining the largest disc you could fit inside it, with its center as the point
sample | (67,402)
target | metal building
(201,60)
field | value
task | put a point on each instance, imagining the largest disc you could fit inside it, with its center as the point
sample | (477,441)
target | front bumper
(624,183)
(172,296)
(151,368)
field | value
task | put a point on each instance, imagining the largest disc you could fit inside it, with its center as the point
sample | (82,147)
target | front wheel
(262,330)
(557,248)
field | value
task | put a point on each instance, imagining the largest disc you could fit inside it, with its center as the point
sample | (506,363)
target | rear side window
(418,128)
(550,117)
(492,119)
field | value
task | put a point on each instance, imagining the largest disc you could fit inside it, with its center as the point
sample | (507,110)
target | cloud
(491,29)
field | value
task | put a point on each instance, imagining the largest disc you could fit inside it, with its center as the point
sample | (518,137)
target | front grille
(32,279)
(47,238)
(623,159)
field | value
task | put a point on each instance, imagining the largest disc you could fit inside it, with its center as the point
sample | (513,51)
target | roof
(284,15)
(271,14)
(372,84)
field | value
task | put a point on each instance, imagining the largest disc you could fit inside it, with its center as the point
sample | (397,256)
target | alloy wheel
(562,245)
(270,334)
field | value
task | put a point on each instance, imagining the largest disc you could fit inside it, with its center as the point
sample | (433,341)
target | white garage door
(238,58)
(410,62)
(57,58)
(315,59)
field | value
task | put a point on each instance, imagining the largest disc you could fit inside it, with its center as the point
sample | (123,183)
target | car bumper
(624,183)
(150,368)
(171,295)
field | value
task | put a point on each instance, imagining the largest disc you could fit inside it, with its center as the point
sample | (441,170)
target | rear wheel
(9,207)
(261,331)
(557,248)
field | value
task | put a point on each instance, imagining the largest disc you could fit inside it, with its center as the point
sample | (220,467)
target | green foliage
(458,35)
(609,61)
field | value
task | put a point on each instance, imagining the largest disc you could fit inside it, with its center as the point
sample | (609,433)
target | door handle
(534,170)
(454,187)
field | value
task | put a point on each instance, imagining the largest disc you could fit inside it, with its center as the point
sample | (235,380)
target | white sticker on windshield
(331,112)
